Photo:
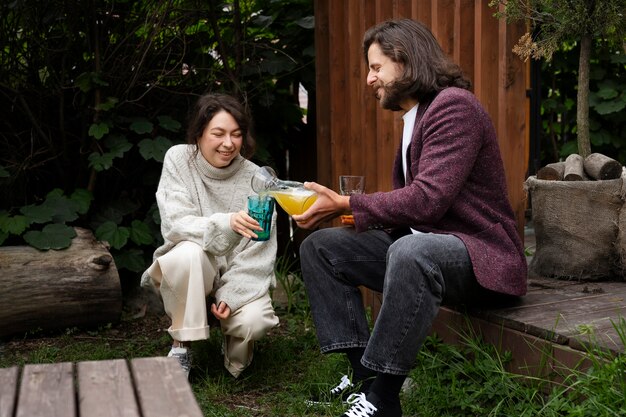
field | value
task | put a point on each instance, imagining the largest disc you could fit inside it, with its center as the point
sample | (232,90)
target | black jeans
(414,273)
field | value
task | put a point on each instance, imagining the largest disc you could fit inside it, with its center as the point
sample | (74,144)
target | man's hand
(328,205)
(222,312)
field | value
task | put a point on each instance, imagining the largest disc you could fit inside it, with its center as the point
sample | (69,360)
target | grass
(466,380)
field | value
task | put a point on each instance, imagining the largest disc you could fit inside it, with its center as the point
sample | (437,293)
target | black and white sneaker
(371,406)
(340,392)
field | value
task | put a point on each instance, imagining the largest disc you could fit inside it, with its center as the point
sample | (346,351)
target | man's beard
(391,98)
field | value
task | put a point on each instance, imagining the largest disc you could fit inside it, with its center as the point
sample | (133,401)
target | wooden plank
(8,386)
(443,27)
(163,389)
(323,90)
(464,36)
(531,355)
(513,132)
(369,150)
(47,391)
(105,389)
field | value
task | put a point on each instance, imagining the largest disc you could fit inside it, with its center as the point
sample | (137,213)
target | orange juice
(294,201)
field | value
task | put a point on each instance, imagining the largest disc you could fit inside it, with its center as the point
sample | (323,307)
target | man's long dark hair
(207,106)
(427,69)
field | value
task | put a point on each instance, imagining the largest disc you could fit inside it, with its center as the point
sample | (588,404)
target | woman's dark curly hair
(207,106)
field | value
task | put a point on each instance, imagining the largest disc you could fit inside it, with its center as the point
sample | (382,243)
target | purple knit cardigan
(455,184)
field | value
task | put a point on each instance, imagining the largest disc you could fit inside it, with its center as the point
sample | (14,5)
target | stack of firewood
(576,168)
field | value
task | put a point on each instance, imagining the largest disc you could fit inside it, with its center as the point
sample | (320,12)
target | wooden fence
(355,136)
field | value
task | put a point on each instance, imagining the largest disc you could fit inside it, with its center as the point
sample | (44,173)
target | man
(445,234)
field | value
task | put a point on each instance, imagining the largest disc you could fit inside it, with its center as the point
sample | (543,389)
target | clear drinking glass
(348,185)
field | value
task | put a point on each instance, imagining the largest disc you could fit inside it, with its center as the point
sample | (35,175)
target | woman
(207,251)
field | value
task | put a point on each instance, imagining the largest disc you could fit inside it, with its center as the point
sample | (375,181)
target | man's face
(383,72)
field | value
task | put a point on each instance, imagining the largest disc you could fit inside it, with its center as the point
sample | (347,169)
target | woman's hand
(242,223)
(221,311)
(328,205)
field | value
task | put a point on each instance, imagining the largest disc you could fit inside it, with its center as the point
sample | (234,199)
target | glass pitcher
(290,195)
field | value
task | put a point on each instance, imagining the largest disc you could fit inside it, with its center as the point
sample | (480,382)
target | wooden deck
(552,326)
(143,387)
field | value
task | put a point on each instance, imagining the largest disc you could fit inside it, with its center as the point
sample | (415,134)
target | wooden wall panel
(355,136)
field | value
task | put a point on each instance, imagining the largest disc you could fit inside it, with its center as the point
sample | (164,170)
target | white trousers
(184,276)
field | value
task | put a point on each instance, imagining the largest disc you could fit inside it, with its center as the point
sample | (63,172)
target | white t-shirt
(407,133)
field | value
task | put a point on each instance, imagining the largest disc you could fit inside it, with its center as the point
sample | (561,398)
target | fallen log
(602,167)
(51,290)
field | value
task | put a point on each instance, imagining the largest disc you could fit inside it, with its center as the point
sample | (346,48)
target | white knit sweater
(196,201)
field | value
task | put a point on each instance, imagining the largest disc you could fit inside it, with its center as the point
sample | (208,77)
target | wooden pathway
(143,387)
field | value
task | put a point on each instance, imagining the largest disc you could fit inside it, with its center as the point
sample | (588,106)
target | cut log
(552,172)
(51,290)
(574,168)
(602,167)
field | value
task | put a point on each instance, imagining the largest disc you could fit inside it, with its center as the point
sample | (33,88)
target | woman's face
(221,140)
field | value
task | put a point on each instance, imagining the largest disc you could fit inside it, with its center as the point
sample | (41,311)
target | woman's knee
(251,323)
(185,259)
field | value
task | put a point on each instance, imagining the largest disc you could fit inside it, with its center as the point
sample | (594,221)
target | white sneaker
(183,355)
(370,405)
(339,392)
(360,406)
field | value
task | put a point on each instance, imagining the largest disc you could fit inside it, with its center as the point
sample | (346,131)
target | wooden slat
(8,386)
(464,36)
(105,389)
(443,25)
(161,385)
(323,52)
(47,391)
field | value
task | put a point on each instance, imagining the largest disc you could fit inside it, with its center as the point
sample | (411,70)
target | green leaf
(141,125)
(83,81)
(600,138)
(82,199)
(88,80)
(53,236)
(118,145)
(608,107)
(306,22)
(263,21)
(101,162)
(15,225)
(131,259)
(3,172)
(140,233)
(110,232)
(98,80)
(114,211)
(63,208)
(98,130)
(167,123)
(109,104)
(3,237)
(607,93)
(37,214)
(154,148)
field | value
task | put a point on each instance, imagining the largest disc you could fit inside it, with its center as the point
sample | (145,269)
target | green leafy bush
(98,91)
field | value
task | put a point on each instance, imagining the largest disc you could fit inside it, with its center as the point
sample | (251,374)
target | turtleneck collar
(210,171)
